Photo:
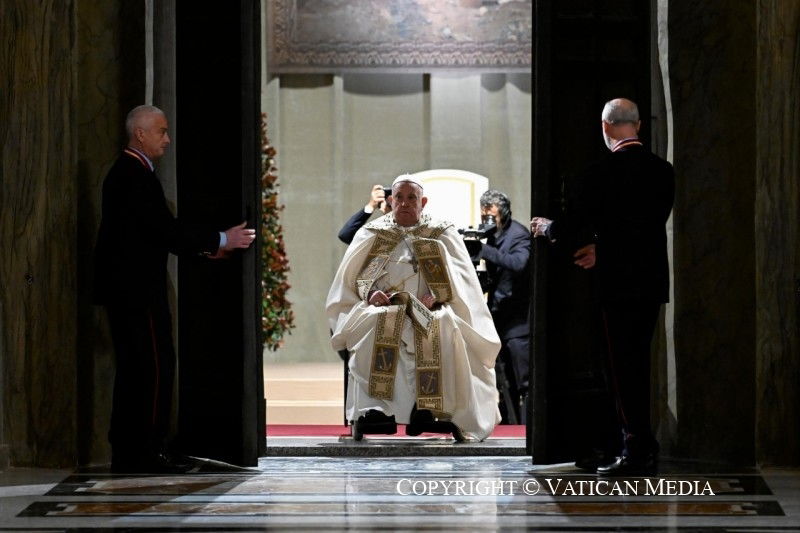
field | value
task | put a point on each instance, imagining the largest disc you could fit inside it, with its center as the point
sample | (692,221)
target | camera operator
(506,253)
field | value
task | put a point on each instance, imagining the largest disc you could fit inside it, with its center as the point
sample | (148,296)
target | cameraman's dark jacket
(507,263)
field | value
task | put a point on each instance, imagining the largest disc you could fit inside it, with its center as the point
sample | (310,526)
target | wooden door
(221,410)
(586,53)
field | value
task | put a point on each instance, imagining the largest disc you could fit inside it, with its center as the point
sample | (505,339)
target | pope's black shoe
(422,421)
(630,466)
(374,422)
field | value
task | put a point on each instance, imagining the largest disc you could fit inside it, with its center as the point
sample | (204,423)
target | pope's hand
(378,299)
(428,300)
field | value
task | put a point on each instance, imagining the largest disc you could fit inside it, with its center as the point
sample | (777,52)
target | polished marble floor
(452,493)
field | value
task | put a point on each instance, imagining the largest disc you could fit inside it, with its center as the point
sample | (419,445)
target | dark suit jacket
(137,231)
(624,200)
(354,224)
(509,295)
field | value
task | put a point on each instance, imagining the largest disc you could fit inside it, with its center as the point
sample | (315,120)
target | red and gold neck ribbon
(624,143)
(139,157)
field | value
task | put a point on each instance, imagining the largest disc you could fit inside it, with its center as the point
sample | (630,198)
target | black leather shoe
(127,467)
(423,421)
(165,464)
(149,464)
(591,461)
(629,466)
(373,423)
(456,431)
(418,421)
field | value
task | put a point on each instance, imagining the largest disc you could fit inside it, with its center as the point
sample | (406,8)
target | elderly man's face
(407,203)
(153,136)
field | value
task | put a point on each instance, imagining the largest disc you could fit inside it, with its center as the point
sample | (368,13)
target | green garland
(277,318)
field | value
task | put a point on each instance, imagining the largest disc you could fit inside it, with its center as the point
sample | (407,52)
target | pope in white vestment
(407,305)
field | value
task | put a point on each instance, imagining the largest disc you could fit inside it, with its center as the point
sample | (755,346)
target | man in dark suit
(624,201)
(137,231)
(377,200)
(506,253)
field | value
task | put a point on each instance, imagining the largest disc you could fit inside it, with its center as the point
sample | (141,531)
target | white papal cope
(442,359)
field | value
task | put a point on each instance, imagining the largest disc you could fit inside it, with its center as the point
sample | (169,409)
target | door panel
(586,54)
(221,411)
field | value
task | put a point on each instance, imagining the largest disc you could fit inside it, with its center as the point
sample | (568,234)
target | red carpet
(307,430)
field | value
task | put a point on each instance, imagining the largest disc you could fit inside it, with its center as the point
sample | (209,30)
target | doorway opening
(363,130)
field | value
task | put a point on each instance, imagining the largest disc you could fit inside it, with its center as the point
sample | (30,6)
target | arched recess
(454,195)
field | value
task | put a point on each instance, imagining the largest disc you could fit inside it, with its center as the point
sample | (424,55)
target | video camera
(484,229)
(472,240)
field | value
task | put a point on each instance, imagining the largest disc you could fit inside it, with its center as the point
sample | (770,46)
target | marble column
(109,69)
(735,92)
(70,76)
(712,58)
(777,228)
(38,263)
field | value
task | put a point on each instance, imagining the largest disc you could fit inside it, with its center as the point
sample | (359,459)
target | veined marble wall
(109,68)
(735,92)
(338,135)
(38,263)
(777,228)
(71,70)
(712,77)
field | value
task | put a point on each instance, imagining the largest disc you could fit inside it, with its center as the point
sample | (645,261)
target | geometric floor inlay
(384,509)
(404,493)
(386,483)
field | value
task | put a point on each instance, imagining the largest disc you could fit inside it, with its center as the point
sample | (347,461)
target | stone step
(300,412)
(304,389)
(389,446)
(304,393)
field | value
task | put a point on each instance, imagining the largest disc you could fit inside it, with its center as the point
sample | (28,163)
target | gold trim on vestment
(433,268)
(385,351)
(389,326)
(429,371)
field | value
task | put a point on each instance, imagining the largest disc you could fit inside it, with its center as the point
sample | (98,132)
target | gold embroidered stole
(389,327)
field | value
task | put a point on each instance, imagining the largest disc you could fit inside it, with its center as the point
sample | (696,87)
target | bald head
(620,120)
(146,126)
(141,117)
(620,110)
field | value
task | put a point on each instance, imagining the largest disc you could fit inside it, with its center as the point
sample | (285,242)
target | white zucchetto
(407,177)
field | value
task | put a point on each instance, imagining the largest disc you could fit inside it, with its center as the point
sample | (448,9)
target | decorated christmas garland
(277,318)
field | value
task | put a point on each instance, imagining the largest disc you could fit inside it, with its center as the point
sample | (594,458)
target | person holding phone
(377,200)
